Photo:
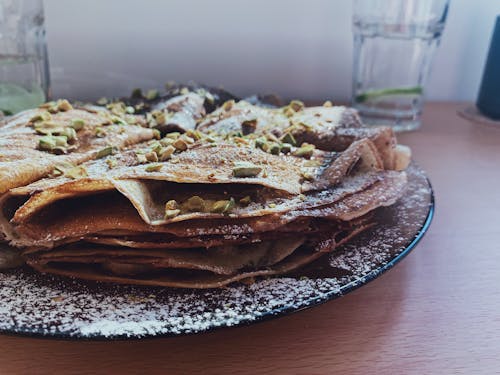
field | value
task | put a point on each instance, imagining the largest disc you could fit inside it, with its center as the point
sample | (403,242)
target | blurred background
(300,49)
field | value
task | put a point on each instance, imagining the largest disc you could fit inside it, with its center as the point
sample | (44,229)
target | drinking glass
(394,43)
(24,69)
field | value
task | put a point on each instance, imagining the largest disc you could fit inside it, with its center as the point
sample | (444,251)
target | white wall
(294,48)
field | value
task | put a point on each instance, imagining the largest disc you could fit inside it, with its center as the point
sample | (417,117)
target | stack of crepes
(239,193)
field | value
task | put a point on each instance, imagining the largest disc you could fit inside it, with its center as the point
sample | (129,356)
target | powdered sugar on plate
(46,305)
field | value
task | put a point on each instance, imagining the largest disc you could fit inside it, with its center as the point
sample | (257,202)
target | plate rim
(275,313)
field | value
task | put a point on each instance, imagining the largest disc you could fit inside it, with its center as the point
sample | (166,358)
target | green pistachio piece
(111,162)
(136,93)
(166,141)
(272,205)
(141,158)
(69,133)
(194,134)
(227,106)
(151,156)
(180,145)
(166,153)
(170,214)
(152,94)
(245,201)
(130,110)
(63,105)
(245,169)
(104,152)
(306,150)
(186,139)
(43,116)
(118,120)
(100,132)
(261,143)
(328,104)
(275,149)
(60,140)
(171,205)
(296,105)
(173,135)
(194,204)
(46,143)
(184,91)
(289,138)
(77,124)
(308,176)
(248,126)
(153,167)
(223,206)
(286,148)
(102,101)
(76,172)
(156,134)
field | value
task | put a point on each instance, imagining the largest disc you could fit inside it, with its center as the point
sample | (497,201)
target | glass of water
(394,42)
(24,69)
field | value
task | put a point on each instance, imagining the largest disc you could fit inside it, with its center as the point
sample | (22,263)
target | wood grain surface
(437,312)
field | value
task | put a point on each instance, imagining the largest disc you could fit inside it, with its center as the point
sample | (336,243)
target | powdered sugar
(51,306)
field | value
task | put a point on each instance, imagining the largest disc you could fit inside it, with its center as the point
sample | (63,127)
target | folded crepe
(244,192)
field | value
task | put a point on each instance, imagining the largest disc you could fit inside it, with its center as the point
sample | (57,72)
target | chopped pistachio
(104,152)
(171,205)
(223,206)
(261,143)
(180,145)
(69,133)
(328,104)
(63,105)
(156,134)
(272,205)
(152,94)
(275,149)
(194,134)
(46,143)
(151,156)
(271,137)
(43,116)
(296,105)
(136,93)
(153,167)
(141,158)
(184,91)
(170,214)
(245,201)
(306,150)
(130,110)
(173,135)
(77,124)
(76,172)
(286,148)
(194,204)
(118,120)
(210,139)
(248,126)
(302,197)
(130,119)
(246,169)
(306,175)
(60,140)
(166,153)
(289,138)
(155,146)
(102,101)
(227,106)
(289,112)
(111,162)
(159,117)
(166,141)
(100,132)
(186,139)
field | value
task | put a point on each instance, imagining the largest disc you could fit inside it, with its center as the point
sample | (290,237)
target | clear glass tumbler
(24,68)
(394,43)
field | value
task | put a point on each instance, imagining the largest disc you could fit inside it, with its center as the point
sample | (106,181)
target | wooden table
(437,312)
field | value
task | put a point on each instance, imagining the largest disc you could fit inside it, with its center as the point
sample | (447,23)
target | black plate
(48,306)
